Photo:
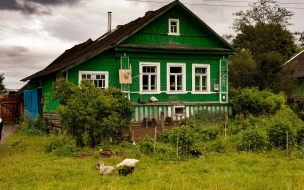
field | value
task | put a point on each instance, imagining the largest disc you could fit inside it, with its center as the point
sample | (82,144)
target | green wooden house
(169,56)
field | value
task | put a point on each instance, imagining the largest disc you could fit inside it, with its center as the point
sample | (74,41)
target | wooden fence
(11,108)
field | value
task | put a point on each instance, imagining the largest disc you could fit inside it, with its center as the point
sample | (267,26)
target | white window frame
(183,66)
(153,64)
(177,27)
(106,73)
(207,67)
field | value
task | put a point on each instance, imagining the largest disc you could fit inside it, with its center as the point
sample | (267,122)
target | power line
(212,5)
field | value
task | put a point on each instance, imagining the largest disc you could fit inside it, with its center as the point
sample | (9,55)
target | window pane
(179,82)
(200,70)
(102,76)
(153,82)
(96,83)
(197,83)
(145,82)
(175,69)
(83,76)
(97,76)
(204,86)
(172,82)
(88,76)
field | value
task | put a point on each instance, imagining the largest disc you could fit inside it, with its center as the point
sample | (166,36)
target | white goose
(105,170)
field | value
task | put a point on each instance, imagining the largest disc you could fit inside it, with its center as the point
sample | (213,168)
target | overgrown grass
(25,165)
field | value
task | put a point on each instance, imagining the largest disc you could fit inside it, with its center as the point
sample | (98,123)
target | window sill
(176,92)
(203,92)
(150,92)
(174,34)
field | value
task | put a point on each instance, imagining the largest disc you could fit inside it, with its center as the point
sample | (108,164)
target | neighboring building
(298,94)
(169,54)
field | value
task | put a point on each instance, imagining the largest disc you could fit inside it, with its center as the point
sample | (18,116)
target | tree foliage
(242,70)
(262,30)
(263,11)
(252,101)
(2,86)
(92,115)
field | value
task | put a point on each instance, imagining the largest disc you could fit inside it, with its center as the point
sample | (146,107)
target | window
(200,78)
(100,79)
(176,81)
(173,27)
(149,77)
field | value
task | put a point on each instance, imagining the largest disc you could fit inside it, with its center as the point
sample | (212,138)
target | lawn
(25,165)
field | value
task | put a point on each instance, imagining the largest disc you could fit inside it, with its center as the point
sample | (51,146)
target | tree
(262,12)
(2,86)
(262,31)
(92,115)
(263,38)
(242,70)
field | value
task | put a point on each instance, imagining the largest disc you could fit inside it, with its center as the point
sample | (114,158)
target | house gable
(193,33)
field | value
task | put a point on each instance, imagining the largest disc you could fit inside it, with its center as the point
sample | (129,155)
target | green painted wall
(102,62)
(47,93)
(192,32)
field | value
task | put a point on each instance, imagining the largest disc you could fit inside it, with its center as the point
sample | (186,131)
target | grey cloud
(34,6)
(12,51)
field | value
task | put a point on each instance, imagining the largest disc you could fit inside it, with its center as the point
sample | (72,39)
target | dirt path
(8,130)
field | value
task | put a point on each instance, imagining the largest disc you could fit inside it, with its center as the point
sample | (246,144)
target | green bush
(252,101)
(28,124)
(146,145)
(209,133)
(240,123)
(218,145)
(61,145)
(207,117)
(252,140)
(300,136)
(92,115)
(283,121)
(182,136)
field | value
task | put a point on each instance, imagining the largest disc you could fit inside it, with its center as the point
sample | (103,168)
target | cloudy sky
(35,32)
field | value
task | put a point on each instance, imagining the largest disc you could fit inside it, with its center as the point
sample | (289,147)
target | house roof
(299,60)
(84,51)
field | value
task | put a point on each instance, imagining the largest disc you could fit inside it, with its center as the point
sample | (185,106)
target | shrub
(28,124)
(239,123)
(218,145)
(182,136)
(252,101)
(62,145)
(252,140)
(209,133)
(92,115)
(283,121)
(207,117)
(146,145)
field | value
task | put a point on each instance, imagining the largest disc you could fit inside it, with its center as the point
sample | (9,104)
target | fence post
(286,143)
(162,117)
(155,131)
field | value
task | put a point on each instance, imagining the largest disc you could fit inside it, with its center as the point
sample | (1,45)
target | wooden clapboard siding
(50,105)
(191,32)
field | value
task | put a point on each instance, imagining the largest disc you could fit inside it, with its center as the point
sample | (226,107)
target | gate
(10,108)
